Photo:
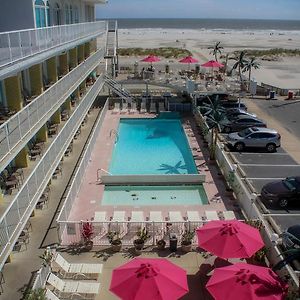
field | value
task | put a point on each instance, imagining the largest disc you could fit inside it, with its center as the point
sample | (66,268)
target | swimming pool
(151,146)
(154,195)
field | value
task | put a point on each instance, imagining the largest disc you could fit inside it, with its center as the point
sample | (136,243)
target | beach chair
(194,220)
(133,107)
(153,107)
(229,215)
(176,224)
(100,225)
(211,215)
(124,108)
(118,223)
(143,107)
(68,270)
(137,221)
(73,287)
(156,226)
(116,108)
(161,106)
(50,295)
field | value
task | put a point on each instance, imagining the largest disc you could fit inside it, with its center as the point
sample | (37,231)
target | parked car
(288,241)
(241,122)
(255,137)
(281,192)
(232,113)
(234,104)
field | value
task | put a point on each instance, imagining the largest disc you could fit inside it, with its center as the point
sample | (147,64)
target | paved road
(261,168)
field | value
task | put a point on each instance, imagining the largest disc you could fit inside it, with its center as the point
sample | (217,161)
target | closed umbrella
(149,279)
(229,239)
(246,282)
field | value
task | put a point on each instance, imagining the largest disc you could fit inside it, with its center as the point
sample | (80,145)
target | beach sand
(284,73)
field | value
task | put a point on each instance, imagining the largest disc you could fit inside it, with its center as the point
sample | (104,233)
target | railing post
(20,43)
(9,46)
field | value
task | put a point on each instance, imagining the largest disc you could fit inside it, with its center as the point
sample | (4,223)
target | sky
(245,9)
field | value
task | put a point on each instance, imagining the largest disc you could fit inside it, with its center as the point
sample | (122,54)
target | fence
(21,127)
(16,45)
(77,179)
(41,277)
(17,213)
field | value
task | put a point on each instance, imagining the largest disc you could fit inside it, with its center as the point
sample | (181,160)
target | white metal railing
(21,127)
(16,45)
(17,213)
(41,277)
(77,179)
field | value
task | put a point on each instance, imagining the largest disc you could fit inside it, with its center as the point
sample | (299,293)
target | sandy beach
(284,73)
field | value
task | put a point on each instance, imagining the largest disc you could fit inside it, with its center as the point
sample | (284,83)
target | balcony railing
(17,45)
(18,212)
(20,128)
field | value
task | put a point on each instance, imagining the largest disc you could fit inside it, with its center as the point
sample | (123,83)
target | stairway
(115,87)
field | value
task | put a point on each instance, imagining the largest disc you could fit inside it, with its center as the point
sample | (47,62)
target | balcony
(17,48)
(19,129)
(17,213)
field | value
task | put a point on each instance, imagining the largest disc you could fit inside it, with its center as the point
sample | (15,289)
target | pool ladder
(99,174)
(115,133)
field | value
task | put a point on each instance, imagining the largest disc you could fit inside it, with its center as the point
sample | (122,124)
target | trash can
(197,69)
(272,94)
(173,242)
(290,95)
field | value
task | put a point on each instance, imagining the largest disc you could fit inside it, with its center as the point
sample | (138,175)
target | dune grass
(166,52)
(272,52)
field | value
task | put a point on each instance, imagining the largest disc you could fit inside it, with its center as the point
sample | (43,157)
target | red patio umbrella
(247,282)
(151,59)
(229,239)
(212,64)
(149,279)
(188,60)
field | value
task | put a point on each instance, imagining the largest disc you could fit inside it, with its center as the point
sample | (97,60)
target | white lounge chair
(194,220)
(155,216)
(116,107)
(229,215)
(157,226)
(153,107)
(211,215)
(175,217)
(73,287)
(67,269)
(50,295)
(124,107)
(133,107)
(100,225)
(143,107)
(118,223)
(100,216)
(137,216)
(161,107)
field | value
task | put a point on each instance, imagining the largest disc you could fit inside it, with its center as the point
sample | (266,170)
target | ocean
(210,24)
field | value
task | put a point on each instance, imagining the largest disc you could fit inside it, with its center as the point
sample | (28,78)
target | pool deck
(89,197)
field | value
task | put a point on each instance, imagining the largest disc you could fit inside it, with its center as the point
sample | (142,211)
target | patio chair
(118,223)
(176,224)
(125,108)
(137,220)
(143,107)
(229,215)
(66,269)
(157,225)
(116,107)
(161,107)
(133,107)
(211,215)
(73,287)
(101,225)
(50,295)
(153,107)
(194,220)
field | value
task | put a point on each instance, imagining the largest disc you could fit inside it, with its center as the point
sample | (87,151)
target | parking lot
(260,168)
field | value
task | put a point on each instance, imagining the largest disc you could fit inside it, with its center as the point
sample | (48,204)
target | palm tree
(240,62)
(215,114)
(216,49)
(252,63)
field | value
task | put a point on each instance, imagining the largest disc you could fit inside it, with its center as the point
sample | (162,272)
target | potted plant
(47,257)
(142,237)
(186,241)
(161,244)
(87,233)
(115,241)
(38,294)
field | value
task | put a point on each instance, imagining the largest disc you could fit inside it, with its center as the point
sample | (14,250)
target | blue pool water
(154,195)
(151,146)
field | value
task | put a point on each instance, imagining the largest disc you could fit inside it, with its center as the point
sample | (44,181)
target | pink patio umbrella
(151,59)
(229,239)
(247,282)
(188,60)
(212,64)
(149,279)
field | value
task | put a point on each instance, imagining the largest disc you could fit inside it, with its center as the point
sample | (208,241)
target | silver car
(257,137)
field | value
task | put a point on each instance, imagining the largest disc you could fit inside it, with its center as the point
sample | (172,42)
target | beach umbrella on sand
(212,64)
(244,281)
(151,59)
(188,60)
(229,239)
(149,279)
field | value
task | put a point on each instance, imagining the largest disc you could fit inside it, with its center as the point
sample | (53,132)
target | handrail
(25,122)
(20,44)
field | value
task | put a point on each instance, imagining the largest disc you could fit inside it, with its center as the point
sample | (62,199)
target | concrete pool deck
(89,197)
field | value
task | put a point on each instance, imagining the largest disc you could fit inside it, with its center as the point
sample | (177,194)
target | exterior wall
(16,15)
(13,93)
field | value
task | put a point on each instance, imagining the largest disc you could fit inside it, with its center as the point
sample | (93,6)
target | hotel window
(40,14)
(57,15)
(71,14)
(67,14)
(48,13)
(76,14)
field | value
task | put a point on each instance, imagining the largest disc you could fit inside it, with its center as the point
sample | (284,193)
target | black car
(232,113)
(282,192)
(234,104)
(288,241)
